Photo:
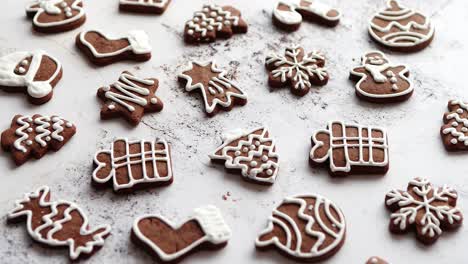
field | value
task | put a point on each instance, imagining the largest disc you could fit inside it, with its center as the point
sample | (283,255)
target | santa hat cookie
(52,16)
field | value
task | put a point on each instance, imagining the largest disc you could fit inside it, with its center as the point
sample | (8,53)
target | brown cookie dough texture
(424,209)
(306,228)
(214,22)
(401,29)
(53,16)
(297,69)
(130,97)
(350,149)
(380,81)
(454,132)
(288,14)
(58,224)
(170,243)
(34,136)
(144,6)
(133,164)
(376,260)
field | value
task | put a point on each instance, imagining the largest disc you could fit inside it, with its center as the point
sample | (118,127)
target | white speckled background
(416,149)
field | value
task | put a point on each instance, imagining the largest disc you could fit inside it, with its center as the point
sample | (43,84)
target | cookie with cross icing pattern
(454,132)
(144,6)
(214,22)
(34,136)
(130,97)
(53,16)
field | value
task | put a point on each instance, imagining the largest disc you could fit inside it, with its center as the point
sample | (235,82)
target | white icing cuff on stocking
(139,41)
(212,223)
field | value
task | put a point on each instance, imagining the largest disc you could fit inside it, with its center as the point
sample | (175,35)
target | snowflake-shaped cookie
(430,210)
(297,69)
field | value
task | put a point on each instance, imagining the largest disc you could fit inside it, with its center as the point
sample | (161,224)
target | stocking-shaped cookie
(307,228)
(350,149)
(380,81)
(33,73)
(144,6)
(58,224)
(130,97)
(217,90)
(52,16)
(103,50)
(130,165)
(213,22)
(170,243)
(454,132)
(288,14)
(35,136)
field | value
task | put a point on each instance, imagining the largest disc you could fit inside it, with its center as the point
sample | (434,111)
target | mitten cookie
(58,224)
(454,132)
(131,165)
(218,92)
(144,6)
(35,136)
(376,260)
(214,22)
(297,69)
(169,243)
(288,14)
(425,209)
(350,149)
(103,50)
(306,228)
(401,29)
(33,73)
(130,97)
(253,153)
(53,16)
(380,81)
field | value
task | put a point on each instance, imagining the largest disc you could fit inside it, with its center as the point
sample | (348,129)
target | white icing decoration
(50,7)
(24,62)
(24,123)
(111,107)
(42,130)
(213,22)
(154,100)
(147,3)
(215,230)
(29,142)
(459,136)
(293,17)
(21,70)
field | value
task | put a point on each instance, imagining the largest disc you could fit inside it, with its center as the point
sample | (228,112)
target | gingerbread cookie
(58,224)
(130,165)
(130,97)
(214,22)
(35,136)
(454,132)
(401,29)
(376,260)
(425,209)
(169,243)
(217,90)
(297,69)
(104,50)
(144,6)
(53,16)
(380,81)
(253,153)
(307,228)
(350,149)
(288,14)
(33,73)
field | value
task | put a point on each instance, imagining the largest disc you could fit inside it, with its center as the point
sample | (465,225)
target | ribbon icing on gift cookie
(102,49)
(288,14)
(213,22)
(170,243)
(217,90)
(35,136)
(306,228)
(297,69)
(454,132)
(58,224)
(380,81)
(253,153)
(130,97)
(51,16)
(350,149)
(133,164)
(144,6)
(34,73)
(425,209)
(401,29)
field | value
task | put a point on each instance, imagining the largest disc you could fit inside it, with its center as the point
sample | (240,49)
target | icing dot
(213,14)
(390,74)
(24,62)
(310,207)
(106,88)
(206,10)
(264,158)
(253,164)
(269,172)
(257,143)
(204,24)
(252,147)
(454,124)
(245,149)
(227,23)
(29,119)
(154,100)
(47,138)
(393,80)
(464,129)
(63,4)
(210,28)
(55,119)
(196,19)
(111,107)
(190,32)
(68,14)
(237,153)
(374,261)
(395,87)
(454,141)
(68,124)
(29,142)
(460,111)
(30,129)
(21,70)
(219,19)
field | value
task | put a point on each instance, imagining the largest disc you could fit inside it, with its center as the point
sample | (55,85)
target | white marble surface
(416,149)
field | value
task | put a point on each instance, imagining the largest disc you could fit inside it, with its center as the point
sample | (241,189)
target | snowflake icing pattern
(429,209)
(297,69)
